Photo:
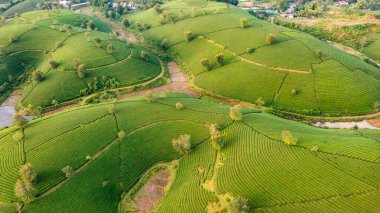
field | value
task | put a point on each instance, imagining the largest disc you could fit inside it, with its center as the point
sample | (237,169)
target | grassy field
(290,62)
(40,37)
(256,165)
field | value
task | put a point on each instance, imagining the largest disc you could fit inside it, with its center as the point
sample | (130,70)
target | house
(65,4)
(341,3)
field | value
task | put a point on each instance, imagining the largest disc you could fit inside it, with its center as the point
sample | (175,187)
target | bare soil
(151,193)
(375,122)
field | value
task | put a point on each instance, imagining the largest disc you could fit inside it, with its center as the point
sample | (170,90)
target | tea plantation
(342,172)
(290,70)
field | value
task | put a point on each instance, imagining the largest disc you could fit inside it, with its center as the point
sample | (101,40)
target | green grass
(274,177)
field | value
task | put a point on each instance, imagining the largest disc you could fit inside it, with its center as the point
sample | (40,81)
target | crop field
(35,39)
(298,56)
(256,164)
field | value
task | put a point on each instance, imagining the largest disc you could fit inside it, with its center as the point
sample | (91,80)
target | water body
(346,125)
(6,115)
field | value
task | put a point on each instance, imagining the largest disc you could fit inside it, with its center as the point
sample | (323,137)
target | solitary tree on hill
(188,36)
(182,144)
(81,71)
(121,135)
(205,63)
(37,76)
(68,170)
(288,138)
(243,22)
(150,97)
(271,38)
(179,106)
(239,205)
(219,59)
(236,113)
(260,102)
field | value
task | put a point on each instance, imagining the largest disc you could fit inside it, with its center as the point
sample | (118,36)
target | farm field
(57,44)
(290,65)
(341,171)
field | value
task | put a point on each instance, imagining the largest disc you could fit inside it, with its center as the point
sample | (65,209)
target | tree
(318,53)
(126,22)
(260,102)
(150,97)
(19,120)
(239,205)
(188,36)
(76,63)
(27,173)
(157,8)
(11,38)
(179,106)
(111,108)
(24,191)
(98,42)
(288,138)
(81,71)
(144,55)
(110,48)
(37,76)
(68,170)
(121,135)
(53,63)
(271,38)
(219,59)
(293,92)
(216,137)
(205,63)
(243,23)
(54,103)
(182,144)
(164,44)
(18,136)
(236,113)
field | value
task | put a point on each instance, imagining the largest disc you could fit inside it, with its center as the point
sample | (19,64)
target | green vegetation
(82,155)
(262,60)
(63,59)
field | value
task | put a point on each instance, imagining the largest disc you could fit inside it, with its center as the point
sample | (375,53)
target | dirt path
(178,83)
(128,36)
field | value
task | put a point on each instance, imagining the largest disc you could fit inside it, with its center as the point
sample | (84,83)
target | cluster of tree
(236,113)
(239,205)
(99,84)
(219,58)
(368,4)
(216,137)
(312,9)
(24,189)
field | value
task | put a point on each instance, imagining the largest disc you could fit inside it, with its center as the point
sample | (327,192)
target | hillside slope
(341,171)
(58,44)
(295,72)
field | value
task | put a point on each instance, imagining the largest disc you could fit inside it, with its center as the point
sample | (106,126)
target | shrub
(11,38)
(157,8)
(139,27)
(188,36)
(121,135)
(318,53)
(182,144)
(164,44)
(250,50)
(144,55)
(239,205)
(260,102)
(19,121)
(68,170)
(54,103)
(150,97)
(288,138)
(293,92)
(219,59)
(216,137)
(98,42)
(18,136)
(37,76)
(179,106)
(125,22)
(53,64)
(271,38)
(314,149)
(243,23)
(110,48)
(205,63)
(76,63)
(236,113)
(376,105)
